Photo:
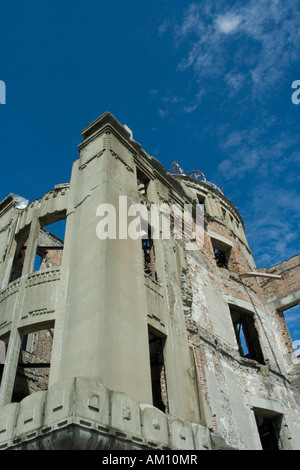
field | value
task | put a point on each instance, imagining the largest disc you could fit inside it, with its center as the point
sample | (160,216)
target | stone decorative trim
(79,413)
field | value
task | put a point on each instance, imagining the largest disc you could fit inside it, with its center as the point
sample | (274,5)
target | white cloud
(195,103)
(246,48)
(228,23)
(271,200)
(268,32)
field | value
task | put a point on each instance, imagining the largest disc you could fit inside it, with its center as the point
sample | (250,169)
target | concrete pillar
(10,368)
(31,246)
(7,265)
(15,338)
(208,205)
(218,210)
(104,332)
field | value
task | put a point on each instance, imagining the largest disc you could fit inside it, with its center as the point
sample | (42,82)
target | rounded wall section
(220,215)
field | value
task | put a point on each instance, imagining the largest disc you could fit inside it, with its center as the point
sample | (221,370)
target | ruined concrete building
(130,343)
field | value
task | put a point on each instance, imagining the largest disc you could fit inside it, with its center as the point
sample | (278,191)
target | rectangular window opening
(19,258)
(268,429)
(221,258)
(201,201)
(290,319)
(50,245)
(158,373)
(149,254)
(3,352)
(33,369)
(142,183)
(221,250)
(246,335)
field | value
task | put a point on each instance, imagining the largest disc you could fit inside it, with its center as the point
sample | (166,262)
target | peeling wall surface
(113,342)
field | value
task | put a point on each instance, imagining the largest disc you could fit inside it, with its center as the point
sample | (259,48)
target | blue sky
(207,84)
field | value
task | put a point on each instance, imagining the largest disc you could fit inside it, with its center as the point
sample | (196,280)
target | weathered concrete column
(15,337)
(10,368)
(7,265)
(9,218)
(105,333)
(31,246)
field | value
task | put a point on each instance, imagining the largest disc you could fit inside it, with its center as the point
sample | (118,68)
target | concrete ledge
(79,413)
(266,405)
(181,436)
(287,302)
(8,418)
(154,426)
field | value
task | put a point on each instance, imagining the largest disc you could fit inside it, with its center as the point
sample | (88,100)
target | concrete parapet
(30,416)
(79,413)
(125,416)
(155,427)
(201,437)
(181,436)
(8,417)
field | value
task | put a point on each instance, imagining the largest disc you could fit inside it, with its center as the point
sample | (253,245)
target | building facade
(110,341)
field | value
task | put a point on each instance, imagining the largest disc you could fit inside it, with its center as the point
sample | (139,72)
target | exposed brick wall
(18,263)
(50,258)
(39,344)
(283,294)
(290,282)
(212,352)
(38,350)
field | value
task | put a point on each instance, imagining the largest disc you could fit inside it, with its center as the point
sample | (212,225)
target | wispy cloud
(265,34)
(254,148)
(272,235)
(235,55)
(261,168)
(171,102)
(228,23)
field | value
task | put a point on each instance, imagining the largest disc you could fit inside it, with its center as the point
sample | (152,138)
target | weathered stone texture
(93,311)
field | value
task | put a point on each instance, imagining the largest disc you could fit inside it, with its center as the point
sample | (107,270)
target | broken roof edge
(277,265)
(19,202)
(107,119)
(101,121)
(13,200)
(205,184)
(108,122)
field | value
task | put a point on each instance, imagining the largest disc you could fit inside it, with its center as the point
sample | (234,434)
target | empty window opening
(3,352)
(291,328)
(268,429)
(19,258)
(222,251)
(38,261)
(149,255)
(32,373)
(50,246)
(201,200)
(158,373)
(18,263)
(221,258)
(142,183)
(246,335)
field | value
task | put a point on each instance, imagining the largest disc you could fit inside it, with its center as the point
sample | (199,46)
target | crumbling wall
(286,293)
(34,364)
(230,384)
(50,257)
